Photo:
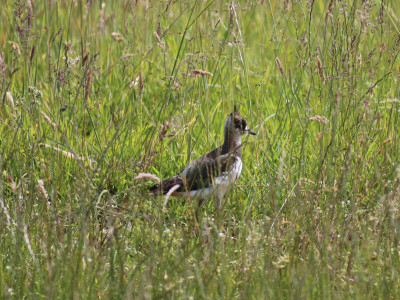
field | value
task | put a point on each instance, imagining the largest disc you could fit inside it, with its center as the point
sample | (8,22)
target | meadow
(92,94)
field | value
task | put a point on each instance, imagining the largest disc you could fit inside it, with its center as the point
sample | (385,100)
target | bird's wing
(198,174)
(202,171)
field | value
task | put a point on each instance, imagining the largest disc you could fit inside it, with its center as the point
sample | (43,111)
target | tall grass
(93,93)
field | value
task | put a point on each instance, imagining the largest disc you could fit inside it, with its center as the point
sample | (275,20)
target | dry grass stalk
(286,5)
(42,191)
(319,119)
(49,121)
(28,242)
(141,83)
(280,67)
(393,14)
(69,154)
(5,211)
(2,65)
(126,56)
(108,235)
(190,123)
(389,100)
(102,16)
(387,141)
(170,192)
(320,70)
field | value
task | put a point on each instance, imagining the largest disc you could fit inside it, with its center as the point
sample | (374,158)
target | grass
(93,94)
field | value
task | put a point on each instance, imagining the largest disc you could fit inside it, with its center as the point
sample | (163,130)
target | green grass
(315,213)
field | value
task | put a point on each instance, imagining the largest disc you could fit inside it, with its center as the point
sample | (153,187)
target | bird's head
(236,125)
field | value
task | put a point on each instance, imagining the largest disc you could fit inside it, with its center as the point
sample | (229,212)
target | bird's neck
(232,144)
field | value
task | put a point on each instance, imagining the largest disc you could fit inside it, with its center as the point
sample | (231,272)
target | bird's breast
(228,178)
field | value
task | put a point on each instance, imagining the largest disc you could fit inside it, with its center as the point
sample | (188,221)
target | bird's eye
(244,124)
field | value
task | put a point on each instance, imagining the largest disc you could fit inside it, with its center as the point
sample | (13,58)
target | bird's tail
(165,186)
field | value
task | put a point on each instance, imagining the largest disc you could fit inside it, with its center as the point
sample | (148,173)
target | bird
(213,174)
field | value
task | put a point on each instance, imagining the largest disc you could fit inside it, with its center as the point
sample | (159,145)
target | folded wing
(197,175)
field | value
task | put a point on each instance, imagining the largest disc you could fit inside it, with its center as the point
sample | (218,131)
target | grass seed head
(117,36)
(159,41)
(329,12)
(320,70)
(280,67)
(134,83)
(10,99)
(198,73)
(42,191)
(15,47)
(319,119)
(147,176)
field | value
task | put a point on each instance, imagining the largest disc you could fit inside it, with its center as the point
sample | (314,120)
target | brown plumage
(214,173)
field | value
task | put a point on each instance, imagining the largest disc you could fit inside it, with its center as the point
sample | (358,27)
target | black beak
(249,131)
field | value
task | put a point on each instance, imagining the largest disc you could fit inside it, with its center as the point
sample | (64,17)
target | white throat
(237,140)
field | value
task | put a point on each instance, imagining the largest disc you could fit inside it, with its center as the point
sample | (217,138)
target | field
(92,94)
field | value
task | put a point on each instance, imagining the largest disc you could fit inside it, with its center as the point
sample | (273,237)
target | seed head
(42,191)
(320,70)
(279,64)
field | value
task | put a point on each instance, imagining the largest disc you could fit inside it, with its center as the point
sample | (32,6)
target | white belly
(227,180)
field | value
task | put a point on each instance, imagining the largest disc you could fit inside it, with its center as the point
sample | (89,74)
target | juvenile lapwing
(213,174)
